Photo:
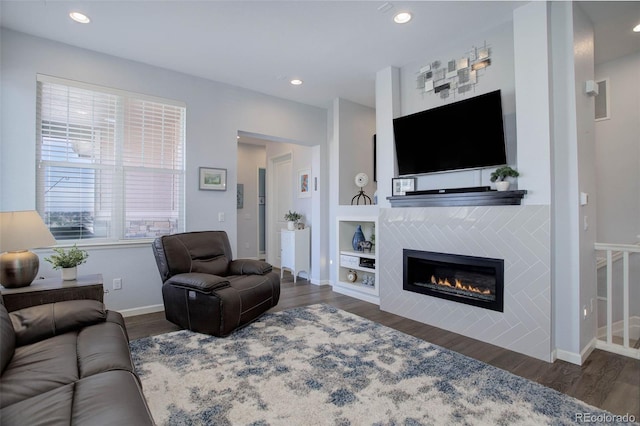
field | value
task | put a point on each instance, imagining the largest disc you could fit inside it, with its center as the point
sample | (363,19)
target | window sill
(102,245)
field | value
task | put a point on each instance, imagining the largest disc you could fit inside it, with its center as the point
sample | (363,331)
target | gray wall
(618,172)
(498,76)
(583,40)
(215,113)
(618,154)
(357,126)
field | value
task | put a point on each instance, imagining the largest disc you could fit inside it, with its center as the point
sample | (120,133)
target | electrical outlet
(117,283)
(220,216)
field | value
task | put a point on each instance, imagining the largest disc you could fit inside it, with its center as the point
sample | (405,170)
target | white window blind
(110,163)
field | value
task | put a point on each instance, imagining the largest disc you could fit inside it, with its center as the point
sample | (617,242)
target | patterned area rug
(318,365)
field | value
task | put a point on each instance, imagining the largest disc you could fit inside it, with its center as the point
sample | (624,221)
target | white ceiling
(336,47)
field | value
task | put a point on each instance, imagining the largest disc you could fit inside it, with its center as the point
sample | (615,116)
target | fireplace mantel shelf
(486,198)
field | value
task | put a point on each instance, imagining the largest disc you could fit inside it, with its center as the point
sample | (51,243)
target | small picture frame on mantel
(400,186)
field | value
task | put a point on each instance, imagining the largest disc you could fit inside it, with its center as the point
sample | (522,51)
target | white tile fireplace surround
(518,234)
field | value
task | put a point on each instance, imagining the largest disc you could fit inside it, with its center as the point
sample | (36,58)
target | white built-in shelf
(348,259)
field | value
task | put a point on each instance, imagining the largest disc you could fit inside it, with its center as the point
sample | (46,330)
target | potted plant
(499,176)
(292,219)
(68,261)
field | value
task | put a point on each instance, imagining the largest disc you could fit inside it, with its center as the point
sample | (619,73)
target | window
(110,163)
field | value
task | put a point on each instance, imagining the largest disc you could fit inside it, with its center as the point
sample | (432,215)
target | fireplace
(477,281)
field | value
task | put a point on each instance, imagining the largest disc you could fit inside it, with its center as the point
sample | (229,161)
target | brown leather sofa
(68,363)
(205,290)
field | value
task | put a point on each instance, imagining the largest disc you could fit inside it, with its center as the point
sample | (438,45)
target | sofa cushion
(249,267)
(60,360)
(249,296)
(103,347)
(207,252)
(7,338)
(48,408)
(44,321)
(204,283)
(40,367)
(111,398)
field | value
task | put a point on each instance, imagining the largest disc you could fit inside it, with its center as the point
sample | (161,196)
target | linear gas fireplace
(477,281)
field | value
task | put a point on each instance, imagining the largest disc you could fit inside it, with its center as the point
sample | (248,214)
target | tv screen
(468,134)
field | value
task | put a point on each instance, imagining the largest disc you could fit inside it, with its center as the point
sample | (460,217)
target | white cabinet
(295,249)
(357,270)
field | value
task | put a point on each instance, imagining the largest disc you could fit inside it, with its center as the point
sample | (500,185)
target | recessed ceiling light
(636,29)
(296,82)
(402,18)
(79,17)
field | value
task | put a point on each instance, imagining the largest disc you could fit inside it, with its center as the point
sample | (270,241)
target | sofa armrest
(43,321)
(204,283)
(249,267)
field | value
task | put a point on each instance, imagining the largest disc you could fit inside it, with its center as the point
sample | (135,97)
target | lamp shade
(23,230)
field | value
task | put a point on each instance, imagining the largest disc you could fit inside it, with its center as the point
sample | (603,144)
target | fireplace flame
(458,285)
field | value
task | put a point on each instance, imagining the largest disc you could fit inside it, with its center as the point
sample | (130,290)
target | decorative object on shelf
(368,280)
(367,263)
(500,175)
(352,276)
(361,180)
(358,236)
(68,261)
(457,75)
(213,179)
(299,226)
(400,186)
(21,231)
(304,179)
(292,219)
(365,246)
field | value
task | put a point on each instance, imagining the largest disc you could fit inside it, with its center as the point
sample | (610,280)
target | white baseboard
(567,356)
(573,357)
(141,310)
(586,351)
(320,282)
(358,295)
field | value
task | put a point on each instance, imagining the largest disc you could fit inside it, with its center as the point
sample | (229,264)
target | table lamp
(19,232)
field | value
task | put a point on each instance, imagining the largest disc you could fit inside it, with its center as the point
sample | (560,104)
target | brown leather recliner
(205,290)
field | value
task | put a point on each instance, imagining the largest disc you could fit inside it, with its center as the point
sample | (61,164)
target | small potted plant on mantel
(68,261)
(500,175)
(292,219)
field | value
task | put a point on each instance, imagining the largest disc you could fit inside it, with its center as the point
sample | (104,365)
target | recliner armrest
(249,267)
(43,321)
(204,283)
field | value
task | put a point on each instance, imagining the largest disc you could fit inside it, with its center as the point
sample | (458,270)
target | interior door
(262,180)
(279,201)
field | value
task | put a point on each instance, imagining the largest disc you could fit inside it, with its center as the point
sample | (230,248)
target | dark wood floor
(605,380)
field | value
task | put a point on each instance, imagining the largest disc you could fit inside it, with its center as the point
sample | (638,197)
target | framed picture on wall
(400,186)
(303,183)
(212,179)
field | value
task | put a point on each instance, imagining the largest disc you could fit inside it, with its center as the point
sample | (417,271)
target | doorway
(262,188)
(279,202)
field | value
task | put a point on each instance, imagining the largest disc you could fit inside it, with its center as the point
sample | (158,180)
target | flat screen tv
(467,134)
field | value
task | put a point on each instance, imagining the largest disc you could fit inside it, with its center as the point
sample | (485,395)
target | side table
(50,290)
